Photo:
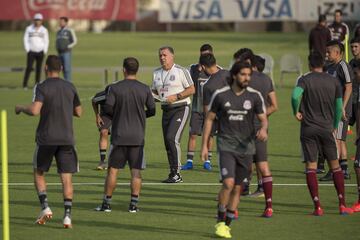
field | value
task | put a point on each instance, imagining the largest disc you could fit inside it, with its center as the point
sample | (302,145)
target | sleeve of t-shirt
(76,101)
(215,104)
(206,95)
(300,83)
(110,97)
(186,78)
(259,105)
(153,87)
(150,102)
(338,90)
(345,73)
(38,94)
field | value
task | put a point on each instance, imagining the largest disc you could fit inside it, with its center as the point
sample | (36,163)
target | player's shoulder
(180,68)
(157,70)
(253,92)
(222,91)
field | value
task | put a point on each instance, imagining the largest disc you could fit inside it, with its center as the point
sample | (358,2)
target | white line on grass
(178,184)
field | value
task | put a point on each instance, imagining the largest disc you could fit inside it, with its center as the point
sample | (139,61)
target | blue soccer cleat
(187,166)
(207,165)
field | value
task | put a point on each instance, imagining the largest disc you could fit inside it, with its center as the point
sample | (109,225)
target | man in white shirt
(174,86)
(36,43)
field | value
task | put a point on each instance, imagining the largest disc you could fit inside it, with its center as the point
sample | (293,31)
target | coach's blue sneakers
(188,165)
(207,165)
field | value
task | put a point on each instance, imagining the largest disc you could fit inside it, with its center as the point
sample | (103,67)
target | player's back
(262,83)
(59,98)
(216,81)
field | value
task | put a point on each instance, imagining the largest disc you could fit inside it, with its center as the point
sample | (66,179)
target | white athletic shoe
(67,222)
(45,215)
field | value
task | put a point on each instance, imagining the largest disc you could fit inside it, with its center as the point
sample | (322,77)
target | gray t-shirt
(128,99)
(236,132)
(216,81)
(59,99)
(199,78)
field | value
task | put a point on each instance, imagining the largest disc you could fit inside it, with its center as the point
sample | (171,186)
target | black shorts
(314,140)
(233,165)
(107,123)
(120,155)
(65,156)
(261,151)
(197,124)
(341,131)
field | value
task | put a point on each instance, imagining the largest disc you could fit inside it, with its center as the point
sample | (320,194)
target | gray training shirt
(216,81)
(59,99)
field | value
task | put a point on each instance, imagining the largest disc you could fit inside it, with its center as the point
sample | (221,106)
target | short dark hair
(236,68)
(241,51)
(131,65)
(53,63)
(171,49)
(259,63)
(355,40)
(207,59)
(339,11)
(66,19)
(316,59)
(206,47)
(336,43)
(322,18)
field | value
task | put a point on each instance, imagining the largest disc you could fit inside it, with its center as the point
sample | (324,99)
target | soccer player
(262,83)
(126,102)
(320,98)
(36,43)
(357,31)
(319,36)
(235,106)
(103,122)
(65,42)
(338,28)
(199,76)
(355,50)
(56,101)
(342,71)
(174,86)
(356,67)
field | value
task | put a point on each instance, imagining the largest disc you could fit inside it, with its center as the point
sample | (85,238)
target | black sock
(102,155)
(343,164)
(134,200)
(67,206)
(230,215)
(43,200)
(221,213)
(260,185)
(209,156)
(190,155)
(107,199)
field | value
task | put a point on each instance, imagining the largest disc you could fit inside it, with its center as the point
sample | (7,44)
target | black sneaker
(327,177)
(173,178)
(258,193)
(103,208)
(133,209)
(346,174)
(320,170)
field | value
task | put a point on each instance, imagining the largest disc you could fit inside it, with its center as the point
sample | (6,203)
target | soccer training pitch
(180,211)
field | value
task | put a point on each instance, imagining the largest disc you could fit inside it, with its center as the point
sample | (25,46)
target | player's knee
(104,132)
(228,184)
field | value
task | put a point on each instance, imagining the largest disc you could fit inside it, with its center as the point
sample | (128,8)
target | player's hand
(262,134)
(99,121)
(344,117)
(299,116)
(18,109)
(204,154)
(171,98)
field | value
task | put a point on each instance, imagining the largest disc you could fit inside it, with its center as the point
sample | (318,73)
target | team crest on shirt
(172,78)
(247,105)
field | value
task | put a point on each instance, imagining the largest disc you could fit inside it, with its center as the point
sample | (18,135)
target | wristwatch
(178,96)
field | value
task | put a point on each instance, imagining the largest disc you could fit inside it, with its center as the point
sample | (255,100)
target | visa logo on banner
(225,10)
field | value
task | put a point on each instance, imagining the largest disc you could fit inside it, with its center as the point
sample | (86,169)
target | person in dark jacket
(319,36)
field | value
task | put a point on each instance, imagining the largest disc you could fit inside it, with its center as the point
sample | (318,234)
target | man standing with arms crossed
(56,101)
(65,41)
(36,43)
(319,97)
(235,106)
(174,86)
(339,69)
(125,102)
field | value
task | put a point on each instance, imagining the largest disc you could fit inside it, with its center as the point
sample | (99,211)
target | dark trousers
(38,57)
(173,124)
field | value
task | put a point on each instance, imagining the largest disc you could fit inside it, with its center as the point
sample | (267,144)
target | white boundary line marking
(178,184)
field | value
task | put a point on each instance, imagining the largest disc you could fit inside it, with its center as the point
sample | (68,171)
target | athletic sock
(267,183)
(209,156)
(260,185)
(107,199)
(343,164)
(102,155)
(43,200)
(190,155)
(134,200)
(221,213)
(230,215)
(338,178)
(67,206)
(313,186)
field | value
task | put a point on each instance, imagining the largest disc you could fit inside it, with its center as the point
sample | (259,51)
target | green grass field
(173,211)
